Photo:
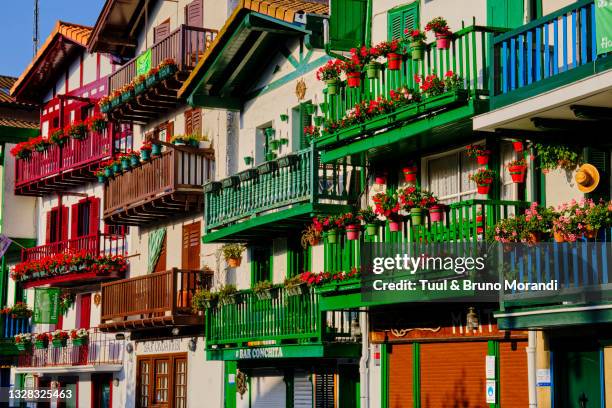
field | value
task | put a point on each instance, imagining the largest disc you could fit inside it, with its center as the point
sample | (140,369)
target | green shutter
(347,24)
(505,13)
(305,120)
(601,160)
(402,19)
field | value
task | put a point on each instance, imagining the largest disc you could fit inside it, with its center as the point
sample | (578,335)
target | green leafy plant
(293,282)
(368,216)
(553,156)
(226,292)
(482,176)
(203,299)
(232,251)
(262,286)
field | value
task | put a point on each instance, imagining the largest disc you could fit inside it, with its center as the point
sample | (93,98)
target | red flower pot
(479,220)
(410,174)
(394,226)
(352,232)
(518,146)
(482,159)
(394,61)
(380,179)
(483,188)
(435,213)
(517,173)
(443,41)
(353,79)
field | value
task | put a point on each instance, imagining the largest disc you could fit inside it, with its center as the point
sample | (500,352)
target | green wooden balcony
(468,57)
(285,323)
(278,195)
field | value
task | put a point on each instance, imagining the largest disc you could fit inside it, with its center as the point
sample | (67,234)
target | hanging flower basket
(410,173)
(274,144)
(372,69)
(248,174)
(371,230)
(125,163)
(394,226)
(155,149)
(394,61)
(331,236)
(518,146)
(318,120)
(435,213)
(332,86)
(416,216)
(443,41)
(417,50)
(352,232)
(108,172)
(248,160)
(484,188)
(517,173)
(353,79)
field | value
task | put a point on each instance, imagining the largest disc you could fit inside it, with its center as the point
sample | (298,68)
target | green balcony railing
(468,57)
(276,184)
(281,318)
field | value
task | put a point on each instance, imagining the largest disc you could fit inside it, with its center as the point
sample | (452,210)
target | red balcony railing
(94,244)
(75,154)
(99,349)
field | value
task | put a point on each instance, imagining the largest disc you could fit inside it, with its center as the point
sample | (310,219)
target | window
(509,189)
(85,218)
(347,23)
(447,176)
(193,121)
(298,258)
(162,381)
(164,132)
(191,246)
(401,19)
(161,31)
(301,119)
(193,14)
(261,266)
(57,225)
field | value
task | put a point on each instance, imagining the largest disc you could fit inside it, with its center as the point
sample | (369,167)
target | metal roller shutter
(513,374)
(268,390)
(453,374)
(400,376)
(302,389)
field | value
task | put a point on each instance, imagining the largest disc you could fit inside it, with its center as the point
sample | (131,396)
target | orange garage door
(513,374)
(453,375)
(400,376)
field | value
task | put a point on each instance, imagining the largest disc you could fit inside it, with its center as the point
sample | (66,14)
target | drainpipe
(531,369)
(364,362)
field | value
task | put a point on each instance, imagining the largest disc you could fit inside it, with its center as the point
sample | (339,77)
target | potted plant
(233,254)
(284,117)
(41,341)
(139,84)
(179,140)
(311,132)
(134,157)
(434,208)
(104,104)
(101,175)
(107,166)
(417,44)
(204,299)
(23,341)
(59,138)
(387,205)
(76,131)
(20,310)
(443,35)
(483,179)
(115,98)
(517,169)
(59,338)
(351,223)
(248,160)
(311,236)
(353,74)
(415,202)
(597,217)
(370,219)
(79,337)
(228,294)
(155,149)
(151,78)
(517,145)
(295,286)
(365,57)
(480,152)
(22,150)
(145,151)
(274,144)
(318,120)
(116,165)
(264,290)
(327,225)
(96,123)
(410,172)
(391,50)
(553,156)
(204,142)
(167,68)
(127,92)
(330,74)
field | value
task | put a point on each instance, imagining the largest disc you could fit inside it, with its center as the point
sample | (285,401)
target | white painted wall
(561,187)
(18,219)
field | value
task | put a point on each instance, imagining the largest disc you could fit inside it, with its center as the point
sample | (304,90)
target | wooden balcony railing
(94,244)
(282,318)
(99,349)
(152,299)
(11,326)
(185,45)
(170,183)
(41,167)
(543,51)
(306,180)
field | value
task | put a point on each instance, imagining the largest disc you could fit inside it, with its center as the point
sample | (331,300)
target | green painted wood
(347,24)
(230,368)
(416,374)
(399,19)
(328,350)
(505,13)
(493,350)
(9,134)
(552,317)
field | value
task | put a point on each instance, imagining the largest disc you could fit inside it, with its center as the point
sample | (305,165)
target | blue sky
(17,26)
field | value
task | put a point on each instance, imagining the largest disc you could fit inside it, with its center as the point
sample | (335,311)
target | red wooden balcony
(153,300)
(100,349)
(186,46)
(95,245)
(62,168)
(162,187)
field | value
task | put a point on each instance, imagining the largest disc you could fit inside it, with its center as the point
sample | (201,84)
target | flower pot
(352,232)
(533,237)
(125,164)
(416,216)
(591,233)
(108,172)
(410,174)
(443,41)
(479,220)
(353,79)
(332,86)
(23,346)
(179,143)
(372,69)
(483,188)
(134,161)
(380,179)
(126,96)
(79,341)
(155,149)
(558,236)
(234,262)
(297,290)
(115,102)
(204,144)
(270,156)
(41,344)
(482,160)
(332,236)
(394,226)
(284,117)
(248,160)
(435,213)
(517,173)
(394,61)
(101,179)
(59,342)
(371,230)
(417,50)
(274,144)
(318,120)
(151,80)
(116,168)
(518,146)
(166,71)
(139,88)
(105,108)
(145,155)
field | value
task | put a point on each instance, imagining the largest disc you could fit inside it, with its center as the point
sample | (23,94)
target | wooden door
(102,390)
(191,246)
(85,311)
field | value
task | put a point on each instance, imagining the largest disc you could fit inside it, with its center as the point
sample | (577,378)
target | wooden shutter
(305,120)
(401,19)
(161,261)
(347,23)
(85,311)
(196,121)
(188,121)
(169,131)
(48,228)
(94,215)
(513,374)
(74,221)
(64,224)
(191,246)
(161,31)
(400,376)
(194,14)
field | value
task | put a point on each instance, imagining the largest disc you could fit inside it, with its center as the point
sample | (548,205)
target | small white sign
(231,378)
(490,367)
(543,377)
(491,392)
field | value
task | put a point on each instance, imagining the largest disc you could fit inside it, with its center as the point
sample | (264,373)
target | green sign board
(143,63)
(603,24)
(46,305)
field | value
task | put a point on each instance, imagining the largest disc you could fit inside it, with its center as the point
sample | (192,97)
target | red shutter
(94,215)
(169,131)
(161,31)
(74,222)
(188,122)
(60,322)
(193,14)
(196,121)
(48,230)
(64,223)
(85,311)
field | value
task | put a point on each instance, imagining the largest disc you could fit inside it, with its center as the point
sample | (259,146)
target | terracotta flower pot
(591,233)
(394,226)
(443,41)
(234,262)
(353,79)
(435,213)
(483,159)
(352,232)
(410,174)
(517,173)
(394,61)
(558,236)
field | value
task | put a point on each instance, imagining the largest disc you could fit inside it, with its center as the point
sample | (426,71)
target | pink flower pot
(482,160)
(353,79)
(394,61)
(394,226)
(352,232)
(443,41)
(435,213)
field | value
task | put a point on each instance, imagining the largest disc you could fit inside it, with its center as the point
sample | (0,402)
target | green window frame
(401,18)
(261,264)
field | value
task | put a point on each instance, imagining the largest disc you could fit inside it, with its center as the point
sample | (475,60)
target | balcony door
(57,225)
(191,246)
(85,224)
